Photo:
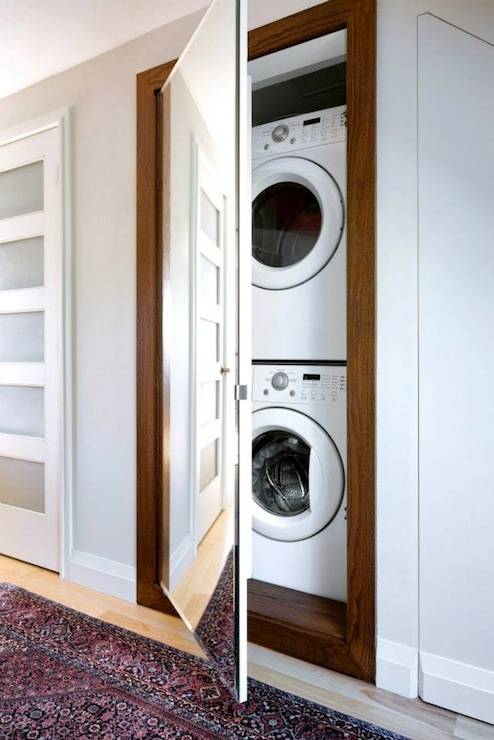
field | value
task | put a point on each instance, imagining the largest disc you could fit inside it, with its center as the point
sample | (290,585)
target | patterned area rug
(216,629)
(66,675)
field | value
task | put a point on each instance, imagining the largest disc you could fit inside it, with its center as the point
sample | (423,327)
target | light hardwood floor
(411,718)
(193,592)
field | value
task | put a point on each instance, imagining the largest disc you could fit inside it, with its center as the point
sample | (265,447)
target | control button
(266,146)
(293,140)
(279,381)
(280,133)
(292,393)
(265,391)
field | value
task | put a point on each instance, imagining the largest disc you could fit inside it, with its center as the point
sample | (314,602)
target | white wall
(397,399)
(456,365)
(398,393)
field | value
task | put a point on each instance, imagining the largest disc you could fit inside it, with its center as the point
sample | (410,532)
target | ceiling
(39,38)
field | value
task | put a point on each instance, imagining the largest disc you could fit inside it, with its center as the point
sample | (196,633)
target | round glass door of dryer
(297,221)
(298,481)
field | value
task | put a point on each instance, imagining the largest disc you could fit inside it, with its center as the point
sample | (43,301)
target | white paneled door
(210,351)
(30,338)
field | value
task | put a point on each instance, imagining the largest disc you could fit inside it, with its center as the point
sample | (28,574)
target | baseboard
(101,574)
(397,668)
(457,686)
(180,559)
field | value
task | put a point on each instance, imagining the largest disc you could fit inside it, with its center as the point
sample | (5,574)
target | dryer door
(297,221)
(298,480)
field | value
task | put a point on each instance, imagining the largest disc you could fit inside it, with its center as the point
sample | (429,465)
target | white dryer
(298,477)
(299,237)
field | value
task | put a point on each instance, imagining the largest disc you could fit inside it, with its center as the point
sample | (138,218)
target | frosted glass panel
(22,484)
(209,218)
(22,337)
(209,464)
(21,190)
(22,410)
(209,345)
(21,264)
(209,402)
(209,282)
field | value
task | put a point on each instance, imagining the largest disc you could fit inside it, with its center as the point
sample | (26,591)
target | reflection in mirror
(199,117)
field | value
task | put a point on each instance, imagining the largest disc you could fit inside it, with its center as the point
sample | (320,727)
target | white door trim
(61,120)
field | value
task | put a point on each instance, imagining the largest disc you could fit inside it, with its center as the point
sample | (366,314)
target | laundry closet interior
(299,429)
(256,337)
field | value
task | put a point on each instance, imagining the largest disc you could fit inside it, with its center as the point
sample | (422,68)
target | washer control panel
(299,384)
(280,137)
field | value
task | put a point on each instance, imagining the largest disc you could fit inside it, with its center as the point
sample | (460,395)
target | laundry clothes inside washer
(299,237)
(298,477)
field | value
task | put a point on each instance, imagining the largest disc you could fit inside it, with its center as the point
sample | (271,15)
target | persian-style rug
(216,629)
(66,675)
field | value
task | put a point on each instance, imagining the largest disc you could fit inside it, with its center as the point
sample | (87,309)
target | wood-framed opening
(311,628)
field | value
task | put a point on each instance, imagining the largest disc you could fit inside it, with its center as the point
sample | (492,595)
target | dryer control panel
(299,384)
(280,137)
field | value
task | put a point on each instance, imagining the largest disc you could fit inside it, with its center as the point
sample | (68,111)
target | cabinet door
(205,281)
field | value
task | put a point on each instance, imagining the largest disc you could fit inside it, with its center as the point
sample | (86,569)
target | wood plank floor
(192,594)
(412,718)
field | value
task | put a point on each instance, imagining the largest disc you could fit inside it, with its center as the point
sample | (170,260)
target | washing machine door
(297,221)
(298,480)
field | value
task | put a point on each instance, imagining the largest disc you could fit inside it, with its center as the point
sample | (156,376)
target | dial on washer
(280,133)
(279,381)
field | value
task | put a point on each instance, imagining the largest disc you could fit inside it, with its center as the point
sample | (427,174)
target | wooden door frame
(149,372)
(344,638)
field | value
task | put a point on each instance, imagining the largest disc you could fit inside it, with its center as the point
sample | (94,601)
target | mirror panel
(200,160)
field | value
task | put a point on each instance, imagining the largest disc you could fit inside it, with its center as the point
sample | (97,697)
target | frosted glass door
(30,318)
(209,353)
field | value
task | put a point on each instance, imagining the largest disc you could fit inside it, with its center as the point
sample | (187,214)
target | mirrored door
(203,363)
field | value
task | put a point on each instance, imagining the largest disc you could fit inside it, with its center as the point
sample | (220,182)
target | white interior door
(209,356)
(456,365)
(30,365)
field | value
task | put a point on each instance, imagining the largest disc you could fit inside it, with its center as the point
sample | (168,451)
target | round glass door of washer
(298,481)
(297,221)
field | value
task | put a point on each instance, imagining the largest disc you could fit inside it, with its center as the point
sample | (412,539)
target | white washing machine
(299,237)
(298,477)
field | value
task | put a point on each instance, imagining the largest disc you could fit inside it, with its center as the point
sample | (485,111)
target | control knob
(279,381)
(280,133)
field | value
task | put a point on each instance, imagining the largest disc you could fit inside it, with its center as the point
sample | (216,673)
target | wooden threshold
(314,626)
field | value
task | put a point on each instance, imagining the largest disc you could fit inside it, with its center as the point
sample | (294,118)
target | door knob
(225,370)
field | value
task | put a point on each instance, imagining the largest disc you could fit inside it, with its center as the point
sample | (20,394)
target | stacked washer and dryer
(299,351)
